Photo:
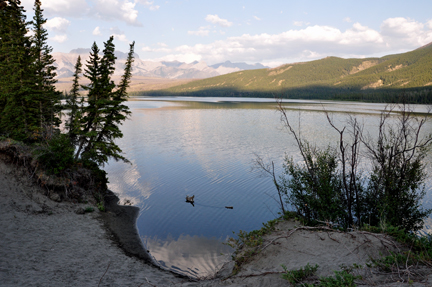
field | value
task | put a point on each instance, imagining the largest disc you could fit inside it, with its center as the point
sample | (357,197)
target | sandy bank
(46,243)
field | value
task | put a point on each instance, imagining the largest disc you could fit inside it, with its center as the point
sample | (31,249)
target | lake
(205,147)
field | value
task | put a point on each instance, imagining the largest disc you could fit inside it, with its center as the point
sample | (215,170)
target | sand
(47,243)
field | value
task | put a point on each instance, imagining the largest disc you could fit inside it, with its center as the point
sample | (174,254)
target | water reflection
(204,147)
(194,256)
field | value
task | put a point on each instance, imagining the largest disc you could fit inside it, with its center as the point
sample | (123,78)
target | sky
(271,32)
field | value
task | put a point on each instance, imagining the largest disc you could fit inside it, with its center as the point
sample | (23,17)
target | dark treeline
(411,95)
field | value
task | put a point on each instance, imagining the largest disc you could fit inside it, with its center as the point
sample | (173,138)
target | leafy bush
(314,187)
(328,186)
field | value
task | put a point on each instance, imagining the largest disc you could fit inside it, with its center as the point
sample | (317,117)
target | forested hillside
(372,79)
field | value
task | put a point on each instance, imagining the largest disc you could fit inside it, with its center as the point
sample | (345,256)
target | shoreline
(45,242)
(53,243)
(120,222)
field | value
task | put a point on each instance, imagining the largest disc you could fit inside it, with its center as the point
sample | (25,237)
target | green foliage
(397,183)
(74,105)
(341,279)
(89,209)
(46,96)
(29,103)
(419,249)
(314,188)
(98,121)
(252,240)
(254,237)
(101,206)
(327,185)
(18,116)
(296,276)
(56,155)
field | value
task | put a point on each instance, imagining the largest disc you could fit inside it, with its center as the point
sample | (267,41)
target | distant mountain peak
(165,69)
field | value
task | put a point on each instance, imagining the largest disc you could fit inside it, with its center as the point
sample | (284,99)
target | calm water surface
(205,147)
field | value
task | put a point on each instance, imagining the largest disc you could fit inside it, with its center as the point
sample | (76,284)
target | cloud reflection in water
(194,256)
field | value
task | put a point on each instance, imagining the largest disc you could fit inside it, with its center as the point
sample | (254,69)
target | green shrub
(314,187)
(89,209)
(329,186)
(56,155)
(296,276)
(341,279)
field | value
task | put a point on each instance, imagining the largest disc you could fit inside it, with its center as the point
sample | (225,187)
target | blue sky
(271,32)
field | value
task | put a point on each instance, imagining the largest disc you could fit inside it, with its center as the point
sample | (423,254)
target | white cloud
(312,42)
(147,49)
(122,10)
(347,19)
(75,8)
(187,58)
(149,4)
(96,31)
(57,24)
(202,31)
(256,18)
(401,33)
(121,37)
(59,38)
(218,21)
(300,23)
(118,35)
(162,48)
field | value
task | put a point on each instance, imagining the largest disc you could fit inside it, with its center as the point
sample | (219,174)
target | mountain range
(65,63)
(328,78)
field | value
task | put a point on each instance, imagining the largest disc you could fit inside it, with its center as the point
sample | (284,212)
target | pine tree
(105,110)
(118,111)
(72,104)
(18,115)
(46,97)
(90,111)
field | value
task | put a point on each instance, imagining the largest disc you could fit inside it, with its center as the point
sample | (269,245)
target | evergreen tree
(72,104)
(105,110)
(18,115)
(117,111)
(46,96)
(90,111)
